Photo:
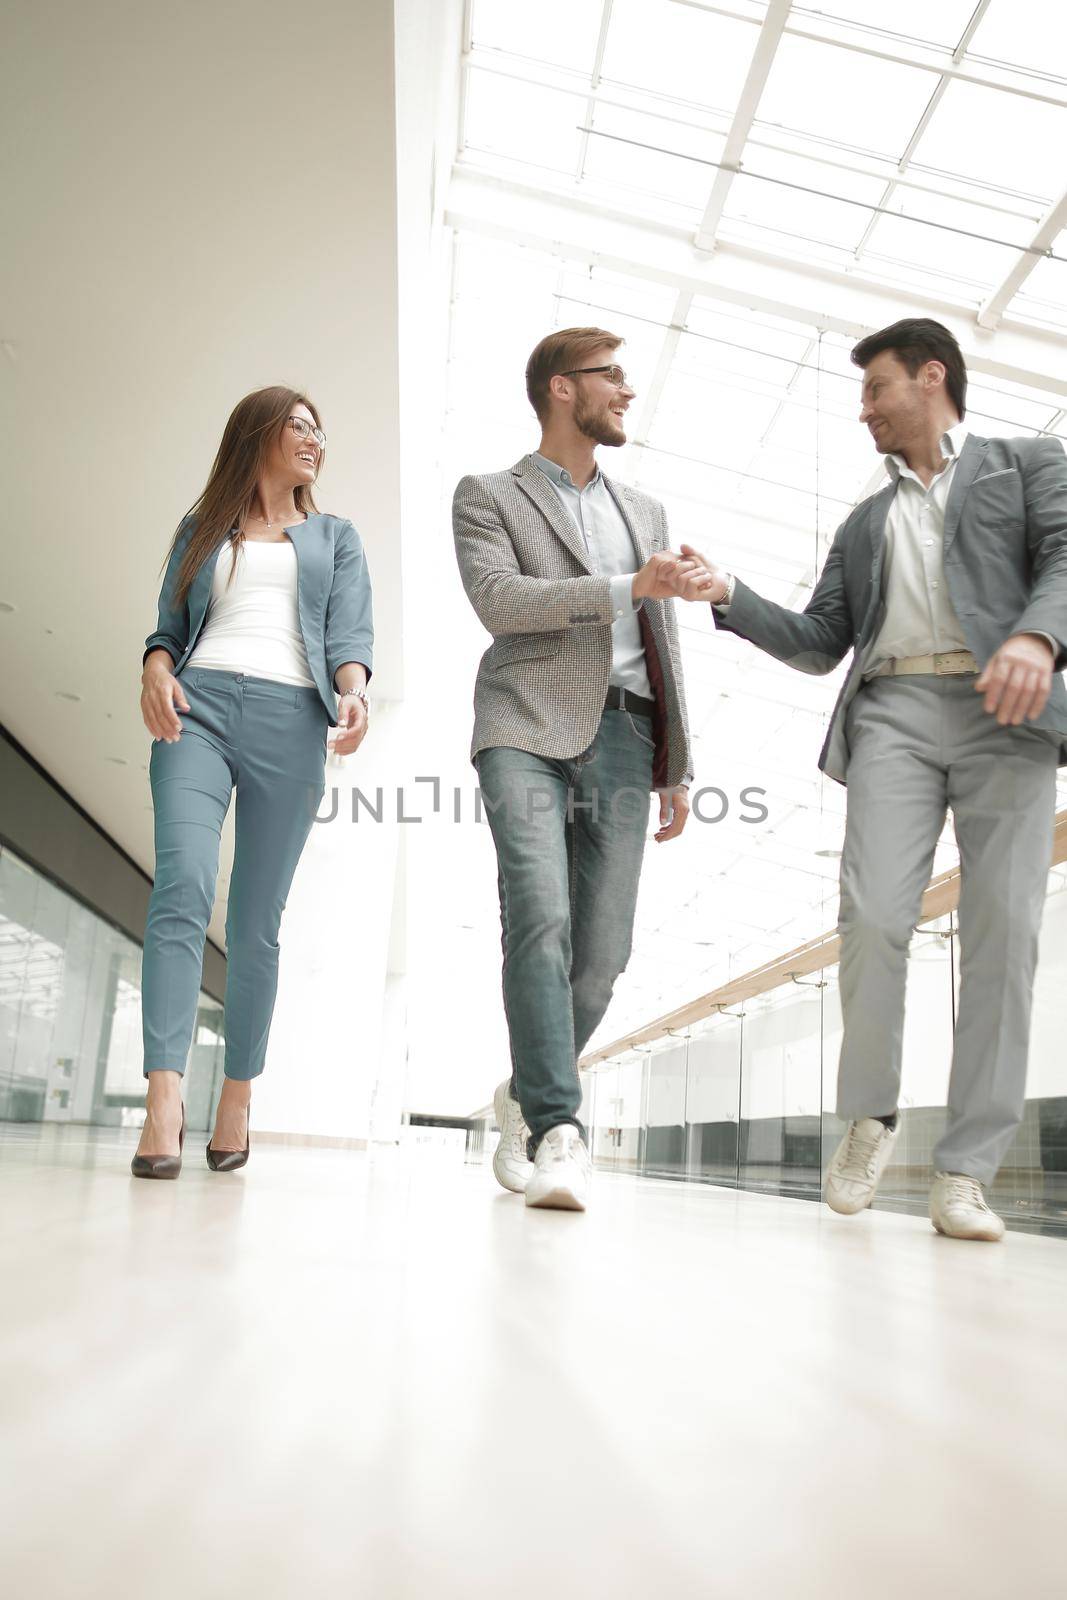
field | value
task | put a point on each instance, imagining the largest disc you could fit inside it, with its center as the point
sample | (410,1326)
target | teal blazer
(333,601)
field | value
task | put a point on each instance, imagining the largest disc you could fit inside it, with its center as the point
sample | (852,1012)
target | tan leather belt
(946,664)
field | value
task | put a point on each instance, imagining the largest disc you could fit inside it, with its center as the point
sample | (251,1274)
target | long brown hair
(255,423)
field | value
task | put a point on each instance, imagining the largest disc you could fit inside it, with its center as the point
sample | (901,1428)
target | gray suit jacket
(1005,566)
(541,684)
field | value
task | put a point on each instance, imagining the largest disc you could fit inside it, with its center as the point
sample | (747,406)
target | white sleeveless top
(253,624)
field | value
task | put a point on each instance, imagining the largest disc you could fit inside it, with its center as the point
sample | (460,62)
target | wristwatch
(359,694)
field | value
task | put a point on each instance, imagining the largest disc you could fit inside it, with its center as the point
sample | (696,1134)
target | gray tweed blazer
(541,684)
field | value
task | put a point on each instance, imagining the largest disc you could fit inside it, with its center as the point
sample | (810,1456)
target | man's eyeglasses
(305,429)
(614,375)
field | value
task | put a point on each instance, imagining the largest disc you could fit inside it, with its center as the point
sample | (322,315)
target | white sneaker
(561,1171)
(958,1208)
(858,1163)
(512,1167)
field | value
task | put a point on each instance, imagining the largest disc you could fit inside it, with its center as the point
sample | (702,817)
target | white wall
(199,199)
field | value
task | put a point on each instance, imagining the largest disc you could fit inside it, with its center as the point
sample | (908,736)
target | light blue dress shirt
(596,514)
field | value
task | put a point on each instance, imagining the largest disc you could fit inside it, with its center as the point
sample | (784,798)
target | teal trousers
(267,741)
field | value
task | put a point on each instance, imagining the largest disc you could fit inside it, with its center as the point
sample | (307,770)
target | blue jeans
(570,838)
(267,740)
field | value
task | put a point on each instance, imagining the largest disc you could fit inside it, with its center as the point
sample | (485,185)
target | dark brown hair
(914,341)
(558,353)
(255,423)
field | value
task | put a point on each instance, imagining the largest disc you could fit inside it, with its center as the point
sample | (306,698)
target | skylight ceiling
(922,160)
(919,162)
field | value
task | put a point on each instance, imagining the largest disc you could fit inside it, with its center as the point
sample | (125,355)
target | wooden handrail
(941,897)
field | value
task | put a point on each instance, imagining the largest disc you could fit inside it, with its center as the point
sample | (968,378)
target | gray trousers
(919,745)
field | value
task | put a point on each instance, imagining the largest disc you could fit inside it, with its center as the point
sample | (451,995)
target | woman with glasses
(263,642)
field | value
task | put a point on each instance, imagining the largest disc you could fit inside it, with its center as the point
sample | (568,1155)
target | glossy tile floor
(378,1375)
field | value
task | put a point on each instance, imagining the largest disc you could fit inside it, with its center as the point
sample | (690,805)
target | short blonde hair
(559,353)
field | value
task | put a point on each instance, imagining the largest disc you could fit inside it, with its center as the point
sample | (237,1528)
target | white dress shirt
(919,617)
(596,515)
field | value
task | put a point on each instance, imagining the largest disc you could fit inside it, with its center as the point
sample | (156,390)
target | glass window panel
(628,167)
(1005,408)
(679,51)
(797,210)
(611,294)
(620,1111)
(835,94)
(836,355)
(41,986)
(563,32)
(941,24)
(1029,33)
(665,1114)
(523,121)
(698,419)
(967,258)
(998,139)
(205,1065)
(714,1091)
(73,1063)
(762,499)
(753,331)
(782,242)
(21,1095)
(714,361)
(604,1132)
(994,427)
(892,270)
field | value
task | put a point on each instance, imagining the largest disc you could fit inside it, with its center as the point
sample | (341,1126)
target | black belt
(622,700)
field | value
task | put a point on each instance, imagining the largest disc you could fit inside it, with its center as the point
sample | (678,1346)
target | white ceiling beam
(668,350)
(812,293)
(594,84)
(741,126)
(744,116)
(464,76)
(1052,224)
(924,121)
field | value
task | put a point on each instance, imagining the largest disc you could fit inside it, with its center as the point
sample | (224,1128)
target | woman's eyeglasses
(306,430)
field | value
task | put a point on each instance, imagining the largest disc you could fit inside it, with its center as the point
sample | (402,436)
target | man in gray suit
(950,586)
(579,712)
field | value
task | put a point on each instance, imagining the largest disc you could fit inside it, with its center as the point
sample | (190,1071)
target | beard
(603,427)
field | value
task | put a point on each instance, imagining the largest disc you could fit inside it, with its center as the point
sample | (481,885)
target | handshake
(685,576)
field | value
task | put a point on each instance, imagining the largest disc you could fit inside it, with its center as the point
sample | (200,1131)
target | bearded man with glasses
(579,712)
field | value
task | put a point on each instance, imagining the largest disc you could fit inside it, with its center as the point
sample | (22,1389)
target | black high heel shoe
(160,1166)
(231,1160)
